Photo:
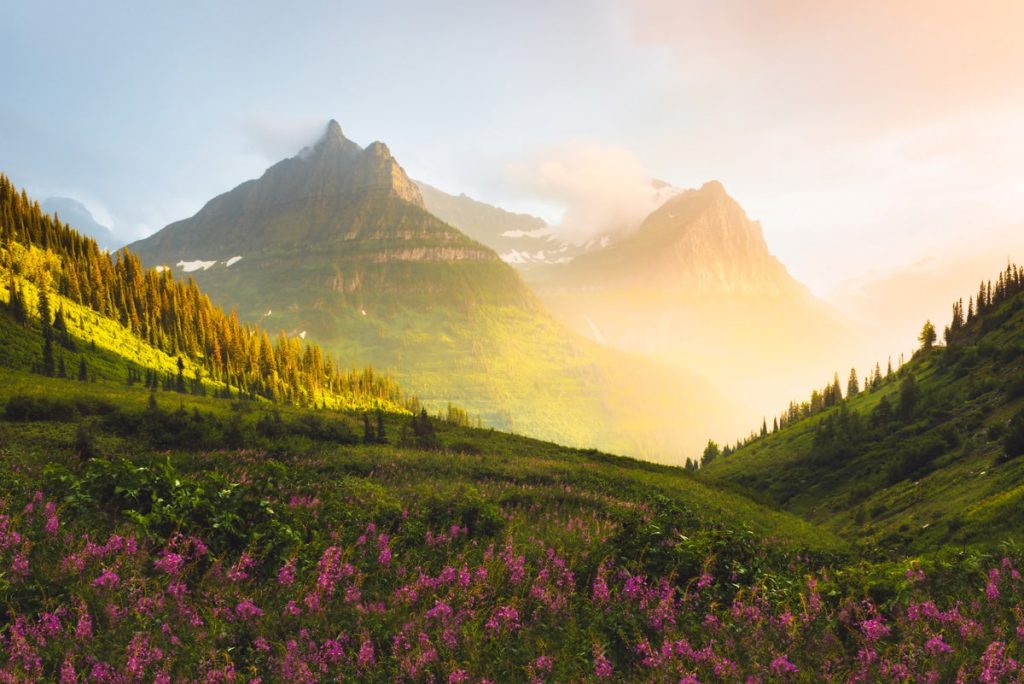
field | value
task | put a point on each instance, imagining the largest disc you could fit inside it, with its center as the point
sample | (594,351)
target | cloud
(276,138)
(602,188)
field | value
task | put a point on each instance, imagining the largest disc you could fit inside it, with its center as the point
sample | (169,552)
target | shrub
(1013,445)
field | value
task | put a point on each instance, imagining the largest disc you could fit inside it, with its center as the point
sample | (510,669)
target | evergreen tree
(853,384)
(909,395)
(180,385)
(423,431)
(764,427)
(382,438)
(927,337)
(17,303)
(83,372)
(62,371)
(711,452)
(49,366)
(368,436)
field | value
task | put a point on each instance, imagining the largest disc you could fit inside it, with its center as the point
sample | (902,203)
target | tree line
(172,315)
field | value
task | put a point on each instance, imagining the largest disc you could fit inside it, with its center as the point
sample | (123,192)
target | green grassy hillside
(924,460)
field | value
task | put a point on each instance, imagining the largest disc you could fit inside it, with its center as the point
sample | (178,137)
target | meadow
(490,558)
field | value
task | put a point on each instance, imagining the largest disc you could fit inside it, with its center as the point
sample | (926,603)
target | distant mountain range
(338,243)
(75,214)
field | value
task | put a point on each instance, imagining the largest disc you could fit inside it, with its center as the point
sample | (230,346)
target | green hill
(924,458)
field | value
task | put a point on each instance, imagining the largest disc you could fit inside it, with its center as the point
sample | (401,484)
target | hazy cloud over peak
(601,187)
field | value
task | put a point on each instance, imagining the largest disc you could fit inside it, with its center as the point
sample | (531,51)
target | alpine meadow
(661,342)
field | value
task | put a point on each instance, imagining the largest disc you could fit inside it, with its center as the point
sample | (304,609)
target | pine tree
(180,384)
(17,304)
(853,384)
(83,372)
(48,366)
(711,452)
(368,436)
(927,337)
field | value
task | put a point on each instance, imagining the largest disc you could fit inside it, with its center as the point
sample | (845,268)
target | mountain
(926,456)
(75,214)
(336,242)
(695,285)
(520,239)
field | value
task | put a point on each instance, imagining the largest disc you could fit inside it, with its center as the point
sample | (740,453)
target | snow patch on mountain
(191,266)
(537,233)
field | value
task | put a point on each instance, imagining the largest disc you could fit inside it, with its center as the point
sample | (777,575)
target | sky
(864,136)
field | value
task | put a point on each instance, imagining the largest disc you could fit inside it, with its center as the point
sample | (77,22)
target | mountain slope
(110,318)
(926,457)
(520,239)
(695,285)
(335,242)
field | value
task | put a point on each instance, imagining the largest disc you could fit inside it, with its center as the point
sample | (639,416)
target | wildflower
(781,666)
(874,630)
(247,610)
(505,617)
(83,630)
(239,571)
(936,646)
(458,676)
(544,663)
(107,580)
(52,522)
(994,667)
(286,575)
(366,655)
(602,667)
(169,562)
(67,671)
(19,564)
(992,587)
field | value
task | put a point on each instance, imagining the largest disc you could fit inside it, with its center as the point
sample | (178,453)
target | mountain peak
(713,187)
(333,142)
(378,149)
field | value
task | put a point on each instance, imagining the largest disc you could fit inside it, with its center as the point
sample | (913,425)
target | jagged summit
(333,142)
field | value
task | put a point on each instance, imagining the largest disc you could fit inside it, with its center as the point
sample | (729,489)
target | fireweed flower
(781,666)
(239,571)
(366,654)
(873,629)
(286,575)
(107,580)
(169,562)
(936,646)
